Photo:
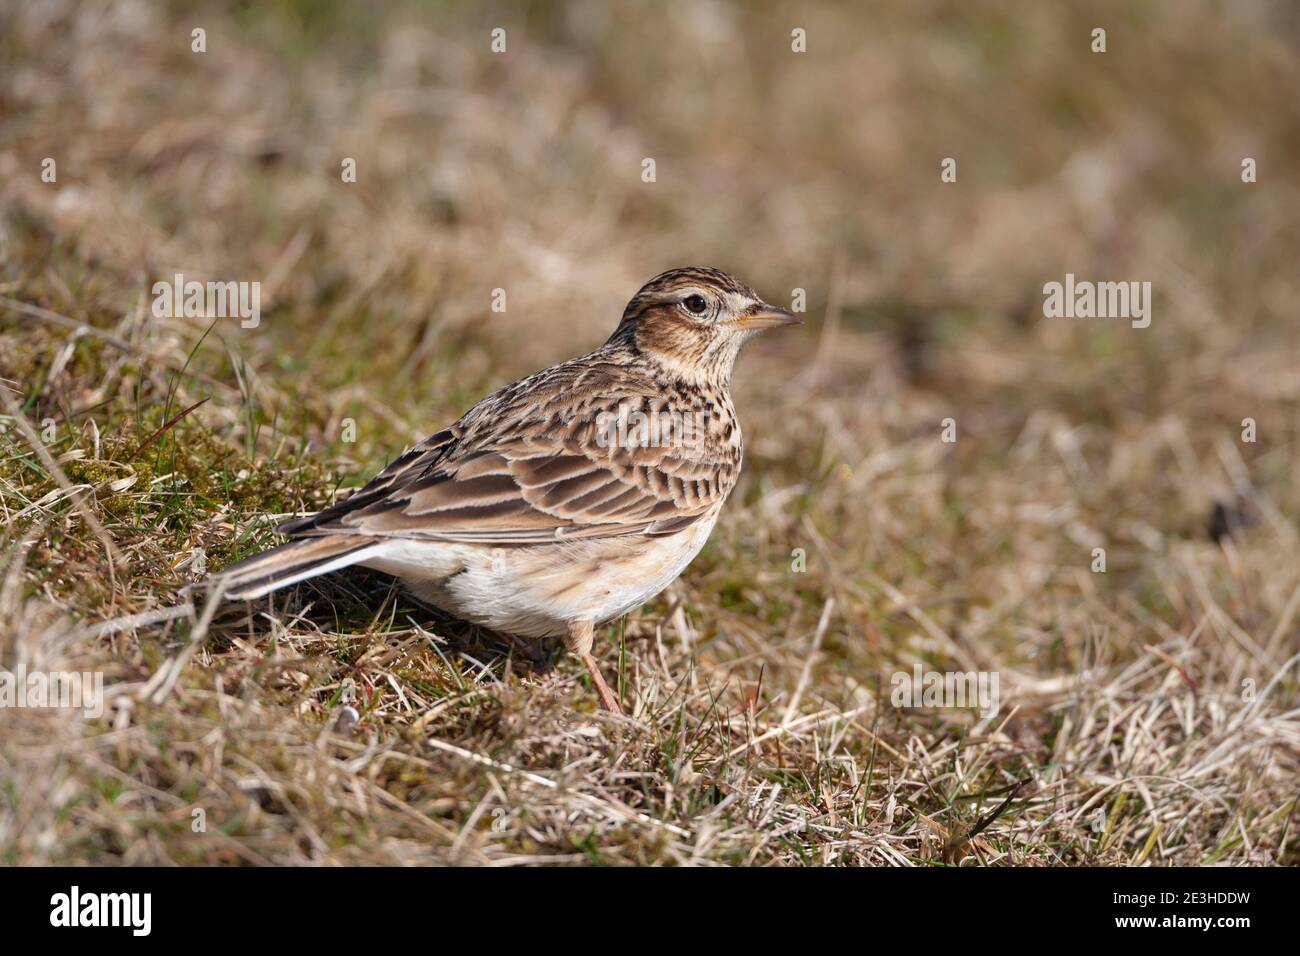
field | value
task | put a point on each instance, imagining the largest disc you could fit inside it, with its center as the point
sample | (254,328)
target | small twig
(158,433)
(131,621)
(1187,679)
(790,709)
(957,842)
(160,685)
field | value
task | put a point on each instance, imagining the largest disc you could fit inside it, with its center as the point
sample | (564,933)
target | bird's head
(693,321)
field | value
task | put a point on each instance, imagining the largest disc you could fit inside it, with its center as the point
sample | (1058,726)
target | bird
(566,499)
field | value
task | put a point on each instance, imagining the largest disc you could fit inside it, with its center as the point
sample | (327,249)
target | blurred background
(816,170)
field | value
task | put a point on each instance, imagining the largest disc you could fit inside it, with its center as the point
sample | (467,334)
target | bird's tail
(290,563)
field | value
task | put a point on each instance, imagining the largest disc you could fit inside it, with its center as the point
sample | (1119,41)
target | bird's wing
(413,461)
(498,478)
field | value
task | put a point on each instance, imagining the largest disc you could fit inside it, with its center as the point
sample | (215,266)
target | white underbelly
(535,591)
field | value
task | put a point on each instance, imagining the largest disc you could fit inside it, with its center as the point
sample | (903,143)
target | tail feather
(290,563)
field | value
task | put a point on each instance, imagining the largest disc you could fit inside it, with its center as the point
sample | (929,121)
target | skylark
(567,498)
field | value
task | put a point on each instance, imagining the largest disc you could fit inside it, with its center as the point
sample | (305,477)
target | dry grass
(761,729)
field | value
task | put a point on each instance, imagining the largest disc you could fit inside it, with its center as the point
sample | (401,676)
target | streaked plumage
(535,513)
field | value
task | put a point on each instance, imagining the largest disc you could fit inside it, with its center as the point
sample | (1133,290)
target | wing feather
(524,466)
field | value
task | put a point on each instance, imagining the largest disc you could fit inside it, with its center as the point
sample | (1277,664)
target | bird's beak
(764,316)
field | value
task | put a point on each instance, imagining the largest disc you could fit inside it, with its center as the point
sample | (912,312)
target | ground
(932,463)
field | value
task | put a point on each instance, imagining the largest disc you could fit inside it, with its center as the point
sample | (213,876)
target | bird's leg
(606,695)
(578,641)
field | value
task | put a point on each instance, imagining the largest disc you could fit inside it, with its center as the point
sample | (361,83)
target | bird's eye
(695,303)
